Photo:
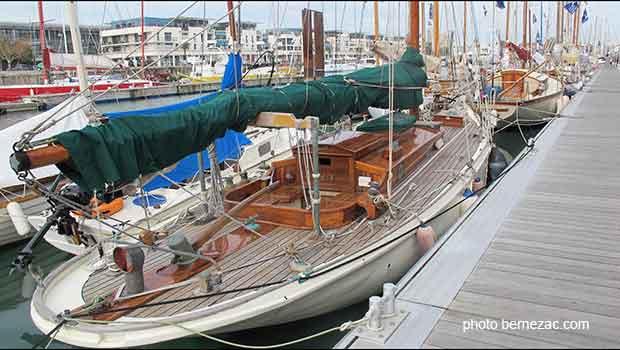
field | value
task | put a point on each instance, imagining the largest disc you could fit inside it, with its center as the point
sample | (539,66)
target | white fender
(19,219)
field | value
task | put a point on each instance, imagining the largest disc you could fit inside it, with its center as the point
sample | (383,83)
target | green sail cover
(122,149)
(382,124)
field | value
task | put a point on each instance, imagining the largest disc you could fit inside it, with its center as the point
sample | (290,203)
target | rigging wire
(27,136)
(302,277)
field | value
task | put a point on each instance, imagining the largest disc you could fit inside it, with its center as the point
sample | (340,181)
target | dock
(535,262)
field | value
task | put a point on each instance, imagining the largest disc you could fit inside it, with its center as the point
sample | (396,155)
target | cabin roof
(349,143)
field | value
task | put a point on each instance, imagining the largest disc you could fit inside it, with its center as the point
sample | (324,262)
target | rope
(53,332)
(343,327)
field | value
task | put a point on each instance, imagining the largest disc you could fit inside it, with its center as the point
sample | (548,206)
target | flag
(500,4)
(584,17)
(484,9)
(430,12)
(571,7)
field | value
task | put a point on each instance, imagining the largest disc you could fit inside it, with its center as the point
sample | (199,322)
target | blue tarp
(232,73)
(227,147)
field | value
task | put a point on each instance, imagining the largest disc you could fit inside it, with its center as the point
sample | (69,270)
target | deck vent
(131,260)
(179,243)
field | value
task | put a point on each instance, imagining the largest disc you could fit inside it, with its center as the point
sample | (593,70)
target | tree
(8,52)
(24,52)
(15,51)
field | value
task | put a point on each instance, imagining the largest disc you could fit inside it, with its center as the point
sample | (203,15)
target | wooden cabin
(348,162)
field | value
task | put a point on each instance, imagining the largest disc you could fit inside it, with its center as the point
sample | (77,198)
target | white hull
(538,109)
(385,260)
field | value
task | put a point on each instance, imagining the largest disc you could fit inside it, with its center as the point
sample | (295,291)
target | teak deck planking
(451,156)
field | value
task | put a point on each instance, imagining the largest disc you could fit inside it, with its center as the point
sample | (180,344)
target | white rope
(343,327)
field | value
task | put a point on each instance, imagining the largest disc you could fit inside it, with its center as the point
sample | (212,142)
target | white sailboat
(302,256)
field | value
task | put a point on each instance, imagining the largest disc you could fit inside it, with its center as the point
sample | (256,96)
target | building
(286,43)
(55,40)
(122,41)
(347,47)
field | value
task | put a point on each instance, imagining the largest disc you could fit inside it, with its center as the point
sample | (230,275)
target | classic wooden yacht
(321,230)
(535,95)
(267,263)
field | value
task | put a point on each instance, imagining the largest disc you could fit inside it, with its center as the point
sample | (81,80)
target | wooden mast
(577,41)
(436,51)
(376,29)
(464,27)
(575,24)
(231,21)
(414,24)
(414,35)
(307,47)
(507,21)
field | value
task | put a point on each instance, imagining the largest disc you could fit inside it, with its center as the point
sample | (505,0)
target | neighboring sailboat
(524,96)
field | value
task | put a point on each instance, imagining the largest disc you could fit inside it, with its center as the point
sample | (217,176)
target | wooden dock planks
(557,255)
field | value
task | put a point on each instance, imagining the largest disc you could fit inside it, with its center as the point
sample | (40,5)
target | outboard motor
(497,163)
(60,216)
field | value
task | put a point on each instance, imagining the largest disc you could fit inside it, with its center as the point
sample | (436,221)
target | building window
(167,36)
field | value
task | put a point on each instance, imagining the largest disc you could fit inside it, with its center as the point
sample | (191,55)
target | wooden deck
(263,260)
(544,245)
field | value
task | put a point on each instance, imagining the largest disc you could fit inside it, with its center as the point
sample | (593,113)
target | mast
(515,25)
(541,24)
(414,24)
(423,28)
(529,29)
(507,21)
(64,36)
(142,33)
(44,52)
(525,24)
(414,34)
(557,21)
(231,21)
(576,26)
(464,27)
(561,9)
(76,40)
(376,29)
(525,20)
(436,50)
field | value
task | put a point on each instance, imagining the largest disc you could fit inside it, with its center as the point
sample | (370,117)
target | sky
(349,16)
